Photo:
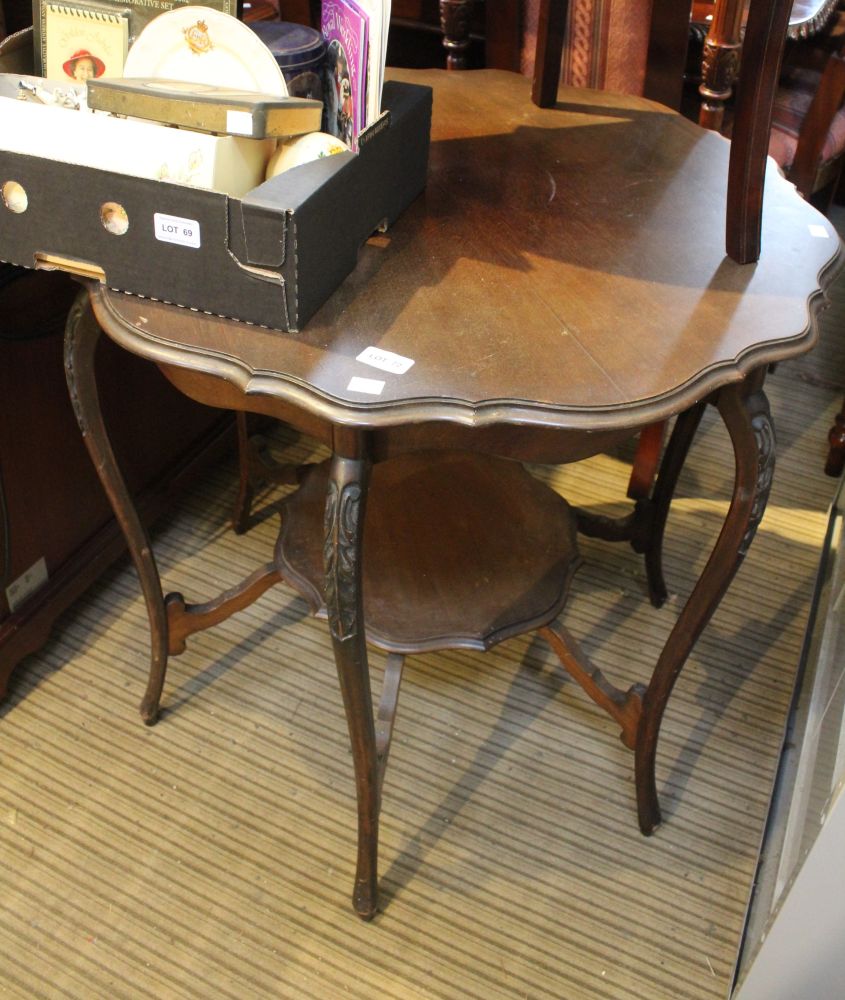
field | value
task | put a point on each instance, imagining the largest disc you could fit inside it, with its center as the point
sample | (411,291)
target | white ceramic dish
(203,45)
(303,149)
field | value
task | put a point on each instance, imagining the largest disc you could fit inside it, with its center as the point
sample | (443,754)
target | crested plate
(203,45)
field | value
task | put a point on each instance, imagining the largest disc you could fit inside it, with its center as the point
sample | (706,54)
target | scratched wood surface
(211,856)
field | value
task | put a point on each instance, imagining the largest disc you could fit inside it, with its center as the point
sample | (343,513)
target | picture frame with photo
(83,41)
(103,18)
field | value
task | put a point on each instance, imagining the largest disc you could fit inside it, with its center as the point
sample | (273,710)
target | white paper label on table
(387,361)
(173,229)
(239,122)
(373,386)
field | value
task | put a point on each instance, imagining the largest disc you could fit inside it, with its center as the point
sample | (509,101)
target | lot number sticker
(386,360)
(172,229)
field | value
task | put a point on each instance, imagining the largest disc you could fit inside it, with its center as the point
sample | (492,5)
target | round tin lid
(291,44)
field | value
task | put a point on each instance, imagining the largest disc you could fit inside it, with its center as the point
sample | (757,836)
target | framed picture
(81,41)
(111,24)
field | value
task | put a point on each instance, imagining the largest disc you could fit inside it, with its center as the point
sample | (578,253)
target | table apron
(526,443)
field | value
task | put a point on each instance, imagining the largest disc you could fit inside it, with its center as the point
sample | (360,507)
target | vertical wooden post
(668,40)
(720,62)
(454,22)
(765,36)
(550,31)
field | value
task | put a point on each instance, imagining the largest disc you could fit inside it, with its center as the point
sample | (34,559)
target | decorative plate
(202,45)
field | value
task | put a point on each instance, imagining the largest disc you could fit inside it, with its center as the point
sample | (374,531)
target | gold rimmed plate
(202,45)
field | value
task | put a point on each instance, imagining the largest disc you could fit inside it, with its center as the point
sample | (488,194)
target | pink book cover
(345,26)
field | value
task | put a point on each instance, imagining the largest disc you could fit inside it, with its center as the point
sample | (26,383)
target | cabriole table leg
(745,412)
(342,554)
(677,450)
(81,336)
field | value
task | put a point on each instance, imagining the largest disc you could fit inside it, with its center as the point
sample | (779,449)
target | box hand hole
(14,197)
(114,218)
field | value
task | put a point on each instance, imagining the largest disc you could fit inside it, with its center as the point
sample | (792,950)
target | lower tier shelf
(460,550)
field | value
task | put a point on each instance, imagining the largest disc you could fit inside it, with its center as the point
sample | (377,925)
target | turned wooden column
(454,22)
(720,62)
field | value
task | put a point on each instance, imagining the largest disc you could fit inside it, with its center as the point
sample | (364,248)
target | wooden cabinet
(54,517)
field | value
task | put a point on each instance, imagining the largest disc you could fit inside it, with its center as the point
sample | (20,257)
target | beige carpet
(212,856)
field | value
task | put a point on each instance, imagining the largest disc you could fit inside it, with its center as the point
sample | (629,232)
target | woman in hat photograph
(83,66)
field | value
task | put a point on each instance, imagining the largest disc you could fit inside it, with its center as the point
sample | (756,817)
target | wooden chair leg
(674,458)
(646,460)
(255,469)
(765,35)
(551,28)
(246,485)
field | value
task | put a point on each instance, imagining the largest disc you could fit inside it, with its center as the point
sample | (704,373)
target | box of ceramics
(226,200)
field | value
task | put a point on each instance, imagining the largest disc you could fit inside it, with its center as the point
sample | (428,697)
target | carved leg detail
(185,619)
(682,437)
(81,336)
(342,553)
(719,71)
(623,706)
(454,22)
(752,434)
(720,63)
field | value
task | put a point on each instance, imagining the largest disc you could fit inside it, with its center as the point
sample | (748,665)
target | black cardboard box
(271,257)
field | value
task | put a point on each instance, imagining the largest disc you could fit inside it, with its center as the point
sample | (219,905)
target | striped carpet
(212,856)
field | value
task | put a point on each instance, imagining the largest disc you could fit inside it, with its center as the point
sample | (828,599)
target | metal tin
(300,52)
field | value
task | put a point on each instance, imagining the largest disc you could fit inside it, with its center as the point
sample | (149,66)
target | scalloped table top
(565,267)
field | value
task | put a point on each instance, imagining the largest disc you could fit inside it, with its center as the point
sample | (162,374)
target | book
(377,13)
(345,26)
(91,22)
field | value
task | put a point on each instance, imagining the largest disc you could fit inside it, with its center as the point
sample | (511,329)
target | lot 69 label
(173,229)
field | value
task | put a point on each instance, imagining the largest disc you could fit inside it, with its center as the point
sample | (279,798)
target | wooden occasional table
(561,285)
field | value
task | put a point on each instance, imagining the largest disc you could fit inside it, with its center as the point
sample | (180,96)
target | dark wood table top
(583,284)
